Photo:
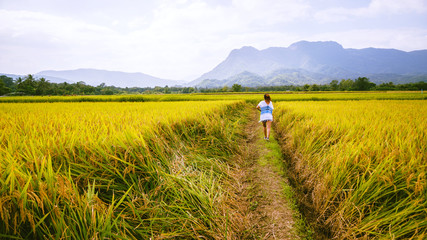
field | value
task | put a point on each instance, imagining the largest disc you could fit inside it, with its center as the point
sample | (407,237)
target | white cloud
(175,39)
(376,8)
(409,39)
(38,37)
(197,35)
(398,7)
(271,11)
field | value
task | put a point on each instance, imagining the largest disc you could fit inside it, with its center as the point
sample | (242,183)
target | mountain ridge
(95,77)
(300,63)
(316,63)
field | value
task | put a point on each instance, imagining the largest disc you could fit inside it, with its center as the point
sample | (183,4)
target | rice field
(361,166)
(252,97)
(157,166)
(116,170)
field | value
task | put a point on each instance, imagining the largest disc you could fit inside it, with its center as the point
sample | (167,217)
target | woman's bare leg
(264,124)
(267,129)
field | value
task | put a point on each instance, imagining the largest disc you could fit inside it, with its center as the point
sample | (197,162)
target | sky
(183,39)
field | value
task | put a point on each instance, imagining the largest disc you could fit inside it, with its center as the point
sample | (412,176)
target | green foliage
(314,87)
(3,88)
(363,84)
(346,85)
(42,87)
(306,87)
(250,97)
(166,89)
(188,90)
(334,85)
(26,86)
(6,84)
(236,88)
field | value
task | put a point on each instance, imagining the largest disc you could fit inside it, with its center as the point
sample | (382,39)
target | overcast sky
(183,39)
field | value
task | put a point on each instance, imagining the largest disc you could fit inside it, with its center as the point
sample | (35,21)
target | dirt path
(262,187)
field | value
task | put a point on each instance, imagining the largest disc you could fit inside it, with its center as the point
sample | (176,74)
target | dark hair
(267,97)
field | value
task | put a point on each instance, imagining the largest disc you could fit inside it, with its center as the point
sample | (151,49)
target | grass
(275,159)
(360,166)
(153,166)
(251,97)
(116,170)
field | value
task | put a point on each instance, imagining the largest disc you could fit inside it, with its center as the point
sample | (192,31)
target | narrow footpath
(266,199)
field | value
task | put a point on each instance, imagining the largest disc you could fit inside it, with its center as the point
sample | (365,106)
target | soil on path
(264,210)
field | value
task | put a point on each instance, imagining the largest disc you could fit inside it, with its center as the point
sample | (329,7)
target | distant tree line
(32,86)
(41,87)
(359,84)
(29,85)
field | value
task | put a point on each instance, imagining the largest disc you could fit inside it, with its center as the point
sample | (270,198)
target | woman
(266,108)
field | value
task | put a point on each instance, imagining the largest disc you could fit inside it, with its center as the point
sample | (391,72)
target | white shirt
(266,111)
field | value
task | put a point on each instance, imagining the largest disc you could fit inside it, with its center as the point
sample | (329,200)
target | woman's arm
(258,107)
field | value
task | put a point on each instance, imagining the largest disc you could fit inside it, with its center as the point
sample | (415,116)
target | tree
(42,87)
(363,84)
(8,81)
(334,85)
(420,85)
(386,86)
(236,87)
(188,90)
(107,91)
(346,85)
(3,88)
(166,90)
(306,87)
(27,86)
(314,87)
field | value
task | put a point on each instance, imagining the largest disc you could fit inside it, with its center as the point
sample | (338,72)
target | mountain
(95,77)
(13,76)
(244,78)
(315,63)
